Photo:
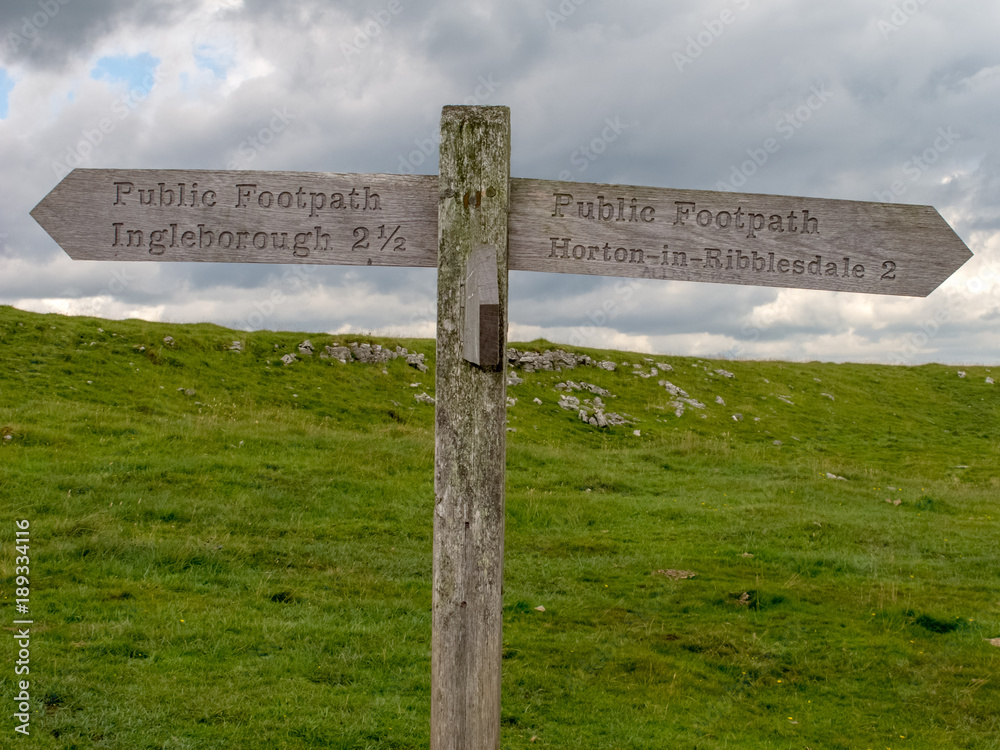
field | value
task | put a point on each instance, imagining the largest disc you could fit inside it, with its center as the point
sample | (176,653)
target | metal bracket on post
(481,335)
(470,429)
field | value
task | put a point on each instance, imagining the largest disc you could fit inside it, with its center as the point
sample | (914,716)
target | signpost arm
(470,438)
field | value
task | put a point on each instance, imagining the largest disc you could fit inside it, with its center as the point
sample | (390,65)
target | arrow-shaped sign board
(561,227)
(474,223)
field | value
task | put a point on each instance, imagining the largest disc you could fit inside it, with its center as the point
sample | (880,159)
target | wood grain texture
(691,235)
(559,227)
(481,334)
(470,440)
(275,217)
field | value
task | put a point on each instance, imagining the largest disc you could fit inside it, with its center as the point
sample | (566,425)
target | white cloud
(227,65)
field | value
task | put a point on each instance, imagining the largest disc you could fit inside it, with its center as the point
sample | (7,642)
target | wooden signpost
(474,223)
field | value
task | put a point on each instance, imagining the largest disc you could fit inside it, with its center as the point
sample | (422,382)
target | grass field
(228,552)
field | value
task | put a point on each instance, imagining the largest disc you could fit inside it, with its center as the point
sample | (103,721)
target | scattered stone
(637,433)
(289,358)
(168,340)
(538,609)
(417,361)
(746,555)
(8,437)
(306,348)
(598,404)
(834,476)
(720,401)
(538,401)
(786,400)
(189,392)
(513,379)
(827,395)
(777,442)
(989,381)
(595,389)
(511,401)
(556,359)
(894,502)
(339,352)
(423,398)
(737,417)
(675,575)
(993,642)
(665,367)
(725,373)
(601,420)
(608,365)
(672,389)
(961,374)
(615,419)
(570,403)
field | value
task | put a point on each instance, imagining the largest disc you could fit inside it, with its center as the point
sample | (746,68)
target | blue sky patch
(6,86)
(122,68)
(210,58)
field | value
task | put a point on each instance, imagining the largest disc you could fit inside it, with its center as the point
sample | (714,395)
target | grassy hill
(231,552)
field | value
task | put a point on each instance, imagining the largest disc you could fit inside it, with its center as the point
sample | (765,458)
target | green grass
(249,566)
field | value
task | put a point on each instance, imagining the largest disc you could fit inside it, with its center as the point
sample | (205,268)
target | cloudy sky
(871,100)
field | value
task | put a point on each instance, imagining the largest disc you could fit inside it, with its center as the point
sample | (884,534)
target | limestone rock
(168,340)
(725,373)
(339,352)
(417,361)
(306,348)
(570,403)
(289,358)
(236,346)
(423,398)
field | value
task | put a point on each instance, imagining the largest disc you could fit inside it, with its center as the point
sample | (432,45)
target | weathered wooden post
(470,435)
(555,227)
